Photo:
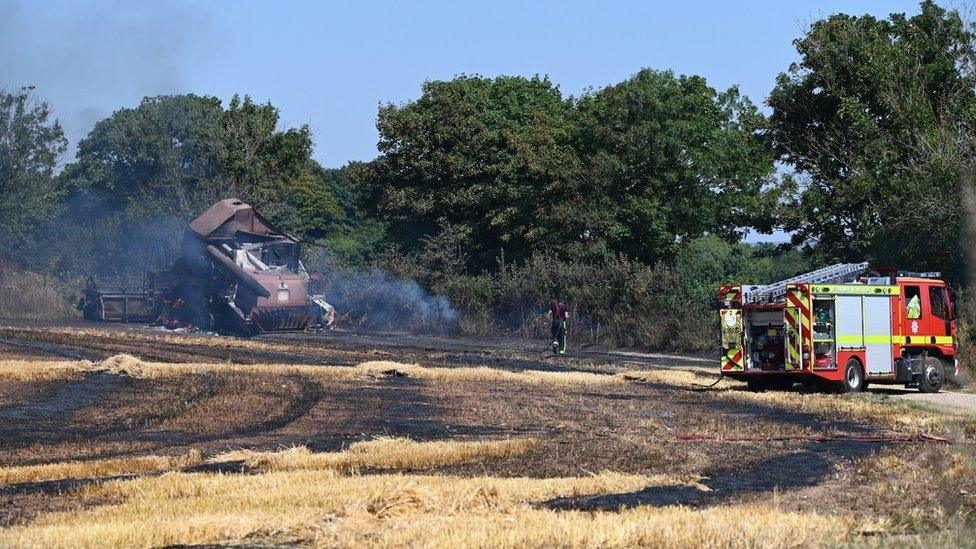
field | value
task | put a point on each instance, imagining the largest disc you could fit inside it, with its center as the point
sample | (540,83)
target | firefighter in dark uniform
(558,314)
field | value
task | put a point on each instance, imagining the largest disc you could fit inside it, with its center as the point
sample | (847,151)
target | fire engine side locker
(877,335)
(848,312)
(863,324)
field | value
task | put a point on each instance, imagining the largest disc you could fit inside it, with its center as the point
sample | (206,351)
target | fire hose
(703,387)
(892,437)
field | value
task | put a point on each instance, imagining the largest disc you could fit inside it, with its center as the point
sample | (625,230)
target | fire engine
(843,326)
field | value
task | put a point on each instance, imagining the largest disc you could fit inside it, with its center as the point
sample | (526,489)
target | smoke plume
(88,59)
(378,300)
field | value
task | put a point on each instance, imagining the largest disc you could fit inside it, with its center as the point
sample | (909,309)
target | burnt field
(127,436)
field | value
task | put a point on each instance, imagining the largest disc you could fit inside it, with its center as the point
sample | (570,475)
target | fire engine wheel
(932,377)
(853,377)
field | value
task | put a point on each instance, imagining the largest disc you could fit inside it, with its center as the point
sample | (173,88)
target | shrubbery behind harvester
(236,273)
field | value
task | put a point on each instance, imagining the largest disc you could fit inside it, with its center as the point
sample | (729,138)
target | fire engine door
(938,306)
(850,323)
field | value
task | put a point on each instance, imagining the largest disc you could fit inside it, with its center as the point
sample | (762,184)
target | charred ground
(628,426)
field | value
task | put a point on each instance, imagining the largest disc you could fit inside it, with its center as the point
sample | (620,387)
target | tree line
(864,153)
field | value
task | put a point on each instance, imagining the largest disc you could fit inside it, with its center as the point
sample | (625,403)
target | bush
(31,296)
(966,334)
(616,301)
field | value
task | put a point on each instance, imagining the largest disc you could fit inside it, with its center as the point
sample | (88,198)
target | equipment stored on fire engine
(844,325)
(236,273)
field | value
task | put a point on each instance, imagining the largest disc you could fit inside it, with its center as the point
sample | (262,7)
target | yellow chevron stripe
(792,315)
(727,359)
(794,360)
(921,340)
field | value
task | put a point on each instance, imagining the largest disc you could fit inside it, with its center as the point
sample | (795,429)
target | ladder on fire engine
(834,274)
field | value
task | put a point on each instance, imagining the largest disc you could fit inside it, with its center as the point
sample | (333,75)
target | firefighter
(914,308)
(558,314)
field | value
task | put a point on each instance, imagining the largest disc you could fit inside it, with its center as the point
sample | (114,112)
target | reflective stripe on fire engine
(850,340)
(732,360)
(798,303)
(730,293)
(792,337)
(858,341)
(855,289)
(921,340)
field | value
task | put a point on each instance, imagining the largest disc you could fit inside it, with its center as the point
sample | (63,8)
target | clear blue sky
(330,64)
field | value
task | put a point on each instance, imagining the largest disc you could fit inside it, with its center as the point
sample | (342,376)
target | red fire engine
(842,325)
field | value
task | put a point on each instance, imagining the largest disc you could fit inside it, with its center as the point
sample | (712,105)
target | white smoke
(379,300)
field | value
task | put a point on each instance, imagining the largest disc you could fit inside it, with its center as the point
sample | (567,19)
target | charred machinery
(236,272)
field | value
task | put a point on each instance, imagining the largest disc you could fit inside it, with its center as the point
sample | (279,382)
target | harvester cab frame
(842,326)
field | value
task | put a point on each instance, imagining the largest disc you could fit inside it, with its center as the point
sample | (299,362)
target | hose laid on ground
(722,375)
(893,437)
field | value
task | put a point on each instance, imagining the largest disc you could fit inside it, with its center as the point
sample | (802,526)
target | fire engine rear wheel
(932,377)
(853,377)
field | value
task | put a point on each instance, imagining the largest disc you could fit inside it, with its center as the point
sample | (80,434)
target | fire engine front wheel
(853,377)
(932,377)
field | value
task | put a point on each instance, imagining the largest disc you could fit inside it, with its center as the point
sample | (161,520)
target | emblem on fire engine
(914,326)
(730,318)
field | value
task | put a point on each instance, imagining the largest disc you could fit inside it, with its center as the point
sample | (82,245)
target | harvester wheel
(932,376)
(853,381)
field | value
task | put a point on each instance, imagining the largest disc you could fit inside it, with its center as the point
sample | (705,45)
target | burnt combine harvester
(236,273)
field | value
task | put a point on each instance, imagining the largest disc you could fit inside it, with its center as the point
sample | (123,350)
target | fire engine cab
(845,326)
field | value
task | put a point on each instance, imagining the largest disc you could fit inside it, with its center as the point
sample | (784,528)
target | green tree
(309,209)
(668,158)
(632,168)
(349,236)
(139,175)
(492,157)
(143,173)
(263,165)
(30,145)
(877,119)
(158,158)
